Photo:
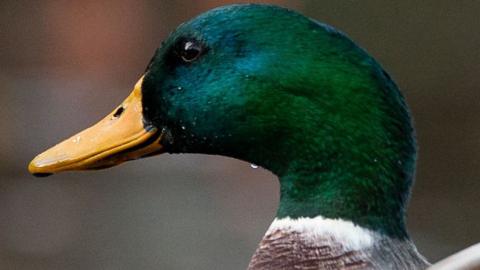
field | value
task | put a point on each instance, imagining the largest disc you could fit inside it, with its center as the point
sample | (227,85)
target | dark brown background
(65,64)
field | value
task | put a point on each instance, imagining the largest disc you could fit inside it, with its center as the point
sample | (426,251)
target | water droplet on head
(167,135)
(253,166)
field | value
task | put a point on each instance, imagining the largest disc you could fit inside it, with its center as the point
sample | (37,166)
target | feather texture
(317,247)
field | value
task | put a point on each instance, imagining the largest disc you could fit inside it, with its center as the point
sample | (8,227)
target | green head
(272,87)
(269,86)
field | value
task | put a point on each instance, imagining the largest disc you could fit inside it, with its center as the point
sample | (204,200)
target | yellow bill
(120,136)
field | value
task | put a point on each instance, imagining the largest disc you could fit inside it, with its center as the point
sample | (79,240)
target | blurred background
(66,64)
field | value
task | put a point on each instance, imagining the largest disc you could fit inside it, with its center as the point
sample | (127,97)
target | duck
(272,87)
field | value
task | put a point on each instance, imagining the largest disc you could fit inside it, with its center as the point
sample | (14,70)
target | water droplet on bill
(77,139)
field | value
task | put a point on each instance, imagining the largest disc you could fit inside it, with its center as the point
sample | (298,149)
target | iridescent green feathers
(297,97)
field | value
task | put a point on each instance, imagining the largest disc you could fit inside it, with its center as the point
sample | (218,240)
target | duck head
(269,86)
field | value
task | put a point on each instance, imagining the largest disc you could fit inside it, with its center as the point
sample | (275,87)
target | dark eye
(189,50)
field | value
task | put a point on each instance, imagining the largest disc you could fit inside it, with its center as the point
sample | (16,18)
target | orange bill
(120,136)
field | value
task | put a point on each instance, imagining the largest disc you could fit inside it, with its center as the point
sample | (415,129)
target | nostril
(119,112)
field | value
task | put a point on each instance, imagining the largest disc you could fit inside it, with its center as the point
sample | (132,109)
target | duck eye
(189,51)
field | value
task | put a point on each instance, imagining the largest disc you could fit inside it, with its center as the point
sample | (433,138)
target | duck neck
(372,195)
